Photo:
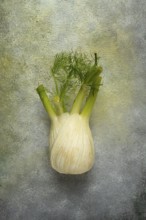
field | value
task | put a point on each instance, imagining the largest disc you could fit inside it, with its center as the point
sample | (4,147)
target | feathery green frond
(71,70)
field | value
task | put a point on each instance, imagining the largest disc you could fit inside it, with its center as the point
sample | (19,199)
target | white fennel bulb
(70,139)
(73,150)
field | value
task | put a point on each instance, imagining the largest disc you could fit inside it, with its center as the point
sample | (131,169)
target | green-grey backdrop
(32,32)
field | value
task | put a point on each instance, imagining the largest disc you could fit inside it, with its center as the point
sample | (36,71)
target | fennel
(70,140)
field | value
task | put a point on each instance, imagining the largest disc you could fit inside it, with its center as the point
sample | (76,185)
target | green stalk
(46,102)
(58,107)
(86,112)
(78,100)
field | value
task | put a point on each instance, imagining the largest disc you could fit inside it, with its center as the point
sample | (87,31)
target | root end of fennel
(70,139)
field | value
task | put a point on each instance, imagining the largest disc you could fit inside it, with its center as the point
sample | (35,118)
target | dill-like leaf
(71,70)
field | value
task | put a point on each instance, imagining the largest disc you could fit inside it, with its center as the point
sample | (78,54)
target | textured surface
(32,32)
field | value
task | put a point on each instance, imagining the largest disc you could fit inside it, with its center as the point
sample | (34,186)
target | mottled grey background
(31,33)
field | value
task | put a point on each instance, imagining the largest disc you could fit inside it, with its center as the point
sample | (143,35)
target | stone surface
(31,33)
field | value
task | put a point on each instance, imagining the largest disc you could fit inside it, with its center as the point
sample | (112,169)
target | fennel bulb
(70,139)
(73,151)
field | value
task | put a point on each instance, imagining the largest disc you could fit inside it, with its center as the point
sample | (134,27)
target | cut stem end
(46,102)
